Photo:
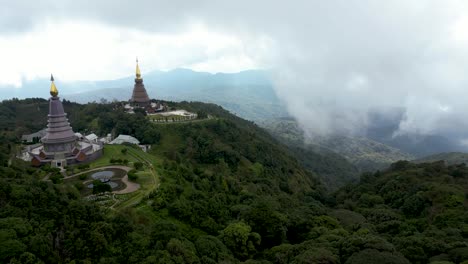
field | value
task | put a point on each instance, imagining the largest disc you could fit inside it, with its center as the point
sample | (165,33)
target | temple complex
(60,146)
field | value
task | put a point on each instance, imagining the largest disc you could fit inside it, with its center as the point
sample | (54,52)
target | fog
(333,62)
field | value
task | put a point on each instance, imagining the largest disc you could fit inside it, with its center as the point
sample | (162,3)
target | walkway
(131,186)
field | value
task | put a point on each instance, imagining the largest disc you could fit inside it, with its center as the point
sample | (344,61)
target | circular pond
(103,176)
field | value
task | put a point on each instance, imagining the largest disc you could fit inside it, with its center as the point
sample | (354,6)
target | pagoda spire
(53,88)
(138,73)
(139,95)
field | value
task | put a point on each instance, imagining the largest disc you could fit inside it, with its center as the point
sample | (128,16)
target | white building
(92,138)
(124,139)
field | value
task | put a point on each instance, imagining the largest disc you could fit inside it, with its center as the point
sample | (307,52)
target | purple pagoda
(60,146)
(59,137)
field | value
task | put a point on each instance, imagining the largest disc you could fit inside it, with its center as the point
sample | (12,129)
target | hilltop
(217,176)
(249,94)
(450,158)
(227,192)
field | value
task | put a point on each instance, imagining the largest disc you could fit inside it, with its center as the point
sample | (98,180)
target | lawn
(113,152)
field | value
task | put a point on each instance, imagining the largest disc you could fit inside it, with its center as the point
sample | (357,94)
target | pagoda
(140,97)
(60,146)
(59,137)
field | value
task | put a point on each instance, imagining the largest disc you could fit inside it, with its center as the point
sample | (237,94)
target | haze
(332,62)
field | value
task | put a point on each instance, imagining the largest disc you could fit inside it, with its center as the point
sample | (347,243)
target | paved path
(131,186)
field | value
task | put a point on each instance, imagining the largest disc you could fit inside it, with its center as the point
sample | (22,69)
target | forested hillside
(228,193)
(418,210)
(364,153)
(449,158)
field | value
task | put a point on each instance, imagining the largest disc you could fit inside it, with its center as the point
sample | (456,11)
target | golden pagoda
(53,88)
(138,73)
(140,97)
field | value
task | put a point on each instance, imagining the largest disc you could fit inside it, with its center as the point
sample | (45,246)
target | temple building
(140,97)
(60,146)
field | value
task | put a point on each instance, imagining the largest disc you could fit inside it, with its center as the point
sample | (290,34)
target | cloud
(333,62)
(81,50)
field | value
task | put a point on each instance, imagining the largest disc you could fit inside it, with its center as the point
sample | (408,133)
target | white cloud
(333,61)
(80,50)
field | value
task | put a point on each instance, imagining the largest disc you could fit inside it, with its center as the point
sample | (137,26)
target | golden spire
(138,73)
(53,88)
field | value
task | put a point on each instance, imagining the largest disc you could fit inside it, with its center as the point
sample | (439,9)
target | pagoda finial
(53,88)
(138,73)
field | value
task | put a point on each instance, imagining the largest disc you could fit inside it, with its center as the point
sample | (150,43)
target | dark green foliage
(419,208)
(201,115)
(99,187)
(372,256)
(83,166)
(228,193)
(211,248)
(132,175)
(41,222)
(56,177)
(238,237)
(138,165)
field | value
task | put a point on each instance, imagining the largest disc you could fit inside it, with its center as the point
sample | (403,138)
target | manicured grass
(112,152)
(147,178)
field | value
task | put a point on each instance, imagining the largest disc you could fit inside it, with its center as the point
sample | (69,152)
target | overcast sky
(332,61)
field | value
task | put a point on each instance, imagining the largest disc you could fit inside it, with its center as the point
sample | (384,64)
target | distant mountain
(450,158)
(364,153)
(384,125)
(249,94)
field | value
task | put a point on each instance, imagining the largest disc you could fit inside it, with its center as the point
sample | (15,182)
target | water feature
(104,177)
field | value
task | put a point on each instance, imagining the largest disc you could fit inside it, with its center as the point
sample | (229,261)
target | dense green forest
(229,193)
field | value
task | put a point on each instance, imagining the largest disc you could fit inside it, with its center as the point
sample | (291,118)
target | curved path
(130,186)
(125,168)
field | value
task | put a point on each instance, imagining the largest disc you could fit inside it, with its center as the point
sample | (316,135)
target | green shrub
(132,175)
(56,178)
(138,165)
(79,186)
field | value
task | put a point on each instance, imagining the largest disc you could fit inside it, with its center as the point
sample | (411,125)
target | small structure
(105,140)
(121,139)
(79,136)
(92,138)
(60,146)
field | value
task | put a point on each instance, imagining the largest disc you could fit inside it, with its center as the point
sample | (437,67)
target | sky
(332,62)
